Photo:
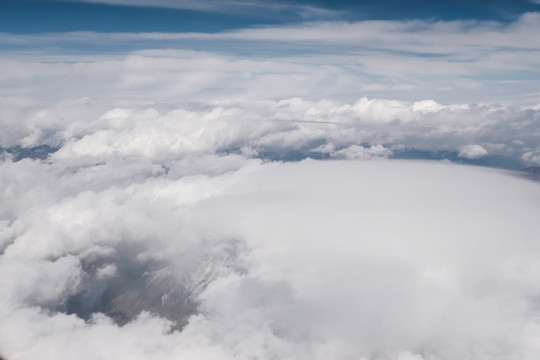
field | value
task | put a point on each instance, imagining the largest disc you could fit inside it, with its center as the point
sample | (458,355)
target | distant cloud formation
(208,5)
(459,61)
(86,132)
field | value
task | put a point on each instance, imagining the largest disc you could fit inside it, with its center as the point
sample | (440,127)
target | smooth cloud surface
(309,260)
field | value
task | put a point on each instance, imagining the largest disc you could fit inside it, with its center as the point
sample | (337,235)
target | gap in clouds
(126,282)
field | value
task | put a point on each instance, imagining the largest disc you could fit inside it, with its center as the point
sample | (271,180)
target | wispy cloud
(416,36)
(243,6)
(457,61)
(90,132)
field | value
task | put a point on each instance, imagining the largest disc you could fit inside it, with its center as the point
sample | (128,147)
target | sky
(274,180)
(450,52)
(37,16)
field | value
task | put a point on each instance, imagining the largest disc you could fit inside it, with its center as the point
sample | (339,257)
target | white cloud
(160,225)
(169,208)
(158,137)
(331,260)
(472,152)
(243,6)
(178,4)
(457,61)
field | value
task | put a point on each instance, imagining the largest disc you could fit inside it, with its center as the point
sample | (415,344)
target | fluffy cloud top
(89,132)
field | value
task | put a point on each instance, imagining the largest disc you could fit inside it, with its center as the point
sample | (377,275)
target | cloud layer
(460,61)
(374,260)
(251,194)
(88,132)
(169,230)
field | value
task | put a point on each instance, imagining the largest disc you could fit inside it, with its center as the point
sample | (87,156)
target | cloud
(233,7)
(182,4)
(175,203)
(309,260)
(163,229)
(472,152)
(448,61)
(356,152)
(532,157)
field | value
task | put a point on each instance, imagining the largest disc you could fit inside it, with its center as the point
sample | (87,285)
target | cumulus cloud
(178,4)
(472,152)
(355,152)
(244,6)
(168,229)
(160,136)
(532,157)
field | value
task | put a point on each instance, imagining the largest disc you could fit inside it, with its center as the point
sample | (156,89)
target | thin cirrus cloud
(503,10)
(227,7)
(181,4)
(450,61)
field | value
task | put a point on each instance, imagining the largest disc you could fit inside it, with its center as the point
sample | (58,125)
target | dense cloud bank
(87,132)
(310,260)
(202,230)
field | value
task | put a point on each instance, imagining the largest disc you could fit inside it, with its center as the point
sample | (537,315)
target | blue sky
(447,51)
(36,16)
